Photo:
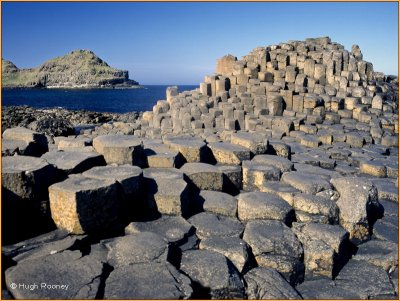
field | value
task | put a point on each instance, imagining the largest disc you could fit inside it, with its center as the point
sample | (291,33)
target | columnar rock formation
(276,179)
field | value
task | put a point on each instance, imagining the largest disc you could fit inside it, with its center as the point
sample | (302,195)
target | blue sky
(178,43)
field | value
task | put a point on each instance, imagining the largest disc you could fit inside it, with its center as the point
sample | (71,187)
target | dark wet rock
(233,248)
(268,284)
(137,248)
(324,288)
(353,278)
(81,275)
(208,224)
(150,280)
(213,275)
(53,126)
(263,205)
(173,228)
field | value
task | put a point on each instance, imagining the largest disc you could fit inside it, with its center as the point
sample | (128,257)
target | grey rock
(214,274)
(306,182)
(208,224)
(137,248)
(204,176)
(233,248)
(263,205)
(151,280)
(81,275)
(268,284)
(376,285)
(218,203)
(175,229)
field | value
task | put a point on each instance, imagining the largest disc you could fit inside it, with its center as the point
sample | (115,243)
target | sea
(98,100)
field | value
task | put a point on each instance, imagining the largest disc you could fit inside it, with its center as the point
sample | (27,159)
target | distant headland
(77,69)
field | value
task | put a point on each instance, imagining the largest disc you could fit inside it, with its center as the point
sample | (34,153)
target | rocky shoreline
(276,179)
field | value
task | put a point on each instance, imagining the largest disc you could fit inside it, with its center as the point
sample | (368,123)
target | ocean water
(99,100)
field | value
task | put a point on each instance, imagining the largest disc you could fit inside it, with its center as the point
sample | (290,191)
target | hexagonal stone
(218,203)
(292,269)
(73,143)
(119,149)
(257,143)
(373,168)
(166,173)
(306,182)
(383,254)
(11,147)
(283,190)
(137,281)
(80,278)
(192,149)
(128,176)
(354,139)
(358,205)
(310,141)
(228,153)
(84,205)
(353,278)
(316,207)
(263,205)
(268,284)
(159,155)
(272,237)
(26,178)
(73,162)
(173,228)
(324,288)
(167,193)
(208,224)
(137,248)
(203,176)
(281,163)
(326,247)
(233,248)
(213,272)
(37,141)
(233,178)
(255,174)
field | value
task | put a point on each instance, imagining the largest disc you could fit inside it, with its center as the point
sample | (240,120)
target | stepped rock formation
(78,69)
(276,178)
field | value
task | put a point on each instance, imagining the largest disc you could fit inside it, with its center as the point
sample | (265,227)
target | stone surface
(212,271)
(227,153)
(192,149)
(376,285)
(137,248)
(316,206)
(129,177)
(218,202)
(256,174)
(175,229)
(119,149)
(68,162)
(267,284)
(81,275)
(255,142)
(137,282)
(167,194)
(233,248)
(263,205)
(203,176)
(358,205)
(25,177)
(84,205)
(208,224)
(305,182)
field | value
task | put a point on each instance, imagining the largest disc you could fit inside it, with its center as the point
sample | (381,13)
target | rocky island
(78,69)
(277,178)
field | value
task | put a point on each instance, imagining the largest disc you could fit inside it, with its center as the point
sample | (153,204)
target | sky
(179,43)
